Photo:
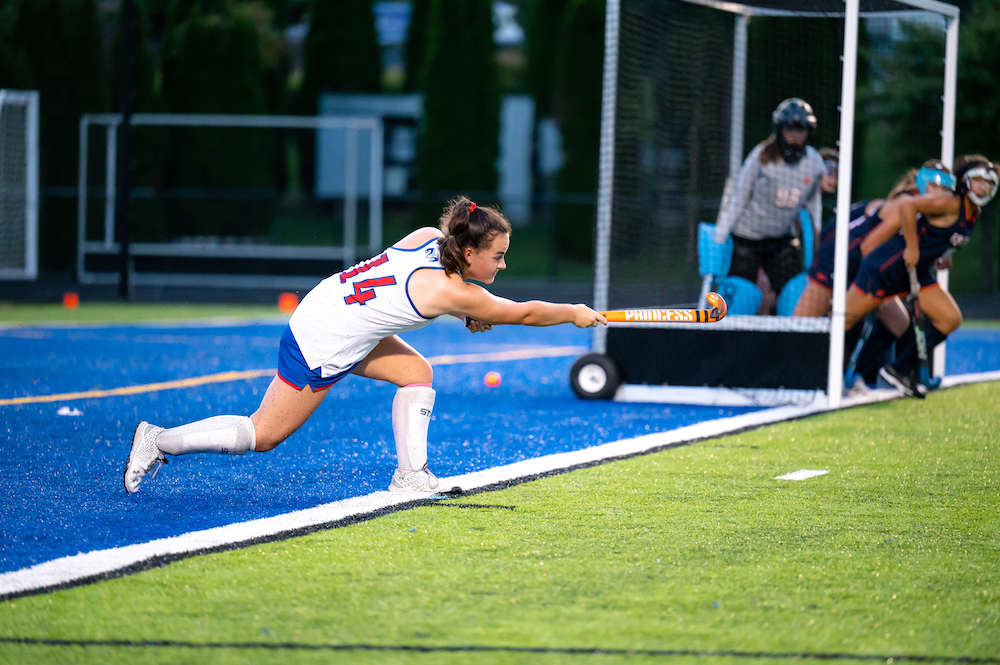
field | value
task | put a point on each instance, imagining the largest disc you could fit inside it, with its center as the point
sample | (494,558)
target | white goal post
(745,11)
(18,184)
(107,247)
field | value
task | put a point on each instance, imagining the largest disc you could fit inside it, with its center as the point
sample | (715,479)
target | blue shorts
(293,369)
(883,274)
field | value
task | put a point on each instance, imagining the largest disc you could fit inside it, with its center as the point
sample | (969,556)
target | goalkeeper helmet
(978,169)
(793,112)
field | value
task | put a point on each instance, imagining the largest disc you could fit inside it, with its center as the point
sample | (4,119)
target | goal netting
(690,92)
(18,184)
(216,200)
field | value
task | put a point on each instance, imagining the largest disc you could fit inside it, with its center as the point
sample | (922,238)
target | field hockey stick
(917,316)
(850,374)
(719,309)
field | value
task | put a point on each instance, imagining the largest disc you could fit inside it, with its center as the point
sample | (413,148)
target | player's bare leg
(395,361)
(941,309)
(814,301)
(941,317)
(857,305)
(282,411)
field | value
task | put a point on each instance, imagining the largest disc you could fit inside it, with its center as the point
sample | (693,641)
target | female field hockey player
(780,175)
(863,217)
(930,228)
(349,324)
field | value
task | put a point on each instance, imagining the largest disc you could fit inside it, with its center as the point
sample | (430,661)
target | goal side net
(18,184)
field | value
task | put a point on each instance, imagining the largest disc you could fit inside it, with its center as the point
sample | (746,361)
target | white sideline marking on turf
(81,566)
(801,474)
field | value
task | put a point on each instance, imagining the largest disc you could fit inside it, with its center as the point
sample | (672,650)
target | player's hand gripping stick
(718,311)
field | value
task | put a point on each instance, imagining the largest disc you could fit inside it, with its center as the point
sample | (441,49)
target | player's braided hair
(466,224)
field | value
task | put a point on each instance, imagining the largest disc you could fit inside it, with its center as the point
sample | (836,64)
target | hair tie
(472,207)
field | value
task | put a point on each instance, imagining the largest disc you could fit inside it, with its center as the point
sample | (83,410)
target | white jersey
(766,198)
(340,321)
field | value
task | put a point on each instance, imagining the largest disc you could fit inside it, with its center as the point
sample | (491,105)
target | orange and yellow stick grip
(718,311)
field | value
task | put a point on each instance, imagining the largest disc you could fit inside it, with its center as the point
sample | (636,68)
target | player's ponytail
(465,225)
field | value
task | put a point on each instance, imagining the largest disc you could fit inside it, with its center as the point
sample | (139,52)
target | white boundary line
(92,566)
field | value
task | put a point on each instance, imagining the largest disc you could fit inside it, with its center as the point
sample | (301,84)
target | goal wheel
(594,376)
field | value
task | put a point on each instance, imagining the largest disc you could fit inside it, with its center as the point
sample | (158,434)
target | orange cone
(287,302)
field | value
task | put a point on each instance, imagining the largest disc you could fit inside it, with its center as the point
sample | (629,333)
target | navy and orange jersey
(935,241)
(883,273)
(859,226)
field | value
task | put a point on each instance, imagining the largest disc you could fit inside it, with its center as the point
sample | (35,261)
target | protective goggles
(831,168)
(985,173)
(925,176)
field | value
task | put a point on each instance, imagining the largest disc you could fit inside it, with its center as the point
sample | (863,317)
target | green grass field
(694,554)
(119,313)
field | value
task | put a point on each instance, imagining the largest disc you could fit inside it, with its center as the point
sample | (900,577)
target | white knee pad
(411,415)
(225,435)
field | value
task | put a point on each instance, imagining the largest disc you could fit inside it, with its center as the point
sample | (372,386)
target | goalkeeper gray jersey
(766,198)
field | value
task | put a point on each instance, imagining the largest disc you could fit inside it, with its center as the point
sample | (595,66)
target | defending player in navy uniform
(930,229)
(349,324)
(780,176)
(863,217)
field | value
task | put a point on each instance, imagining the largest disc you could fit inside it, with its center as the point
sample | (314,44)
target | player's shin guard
(873,351)
(225,435)
(411,416)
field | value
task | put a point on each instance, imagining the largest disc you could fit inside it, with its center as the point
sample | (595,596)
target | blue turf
(61,476)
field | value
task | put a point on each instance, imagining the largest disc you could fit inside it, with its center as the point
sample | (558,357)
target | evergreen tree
(15,69)
(149,144)
(55,48)
(543,28)
(578,85)
(416,43)
(215,67)
(341,55)
(459,139)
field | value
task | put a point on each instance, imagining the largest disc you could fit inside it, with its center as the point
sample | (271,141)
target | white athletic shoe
(144,456)
(859,389)
(421,480)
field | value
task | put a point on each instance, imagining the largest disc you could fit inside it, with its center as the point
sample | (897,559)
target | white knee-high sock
(226,435)
(411,416)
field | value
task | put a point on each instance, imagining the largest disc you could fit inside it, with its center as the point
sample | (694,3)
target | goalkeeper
(781,175)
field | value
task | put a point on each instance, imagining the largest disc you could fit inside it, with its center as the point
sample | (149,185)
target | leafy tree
(459,139)
(977,126)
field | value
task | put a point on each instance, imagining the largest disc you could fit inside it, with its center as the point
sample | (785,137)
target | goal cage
(18,184)
(208,206)
(689,88)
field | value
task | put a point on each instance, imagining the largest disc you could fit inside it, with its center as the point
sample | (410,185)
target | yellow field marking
(223,377)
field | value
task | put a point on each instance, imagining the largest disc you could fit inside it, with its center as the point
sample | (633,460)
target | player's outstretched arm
(462,298)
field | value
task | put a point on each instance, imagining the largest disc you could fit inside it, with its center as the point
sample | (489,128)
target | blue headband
(926,175)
